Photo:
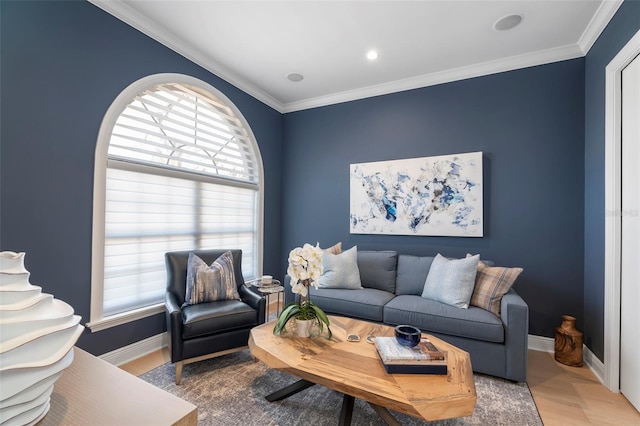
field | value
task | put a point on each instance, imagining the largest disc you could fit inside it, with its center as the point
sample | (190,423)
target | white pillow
(340,270)
(451,281)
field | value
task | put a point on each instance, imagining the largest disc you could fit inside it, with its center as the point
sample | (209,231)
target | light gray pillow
(210,283)
(451,281)
(340,270)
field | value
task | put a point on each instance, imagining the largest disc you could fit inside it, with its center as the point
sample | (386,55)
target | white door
(630,268)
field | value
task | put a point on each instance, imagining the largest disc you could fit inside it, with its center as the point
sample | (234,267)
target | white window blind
(181,175)
(176,126)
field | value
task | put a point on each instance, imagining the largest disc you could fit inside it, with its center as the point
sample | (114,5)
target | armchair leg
(178,372)
(182,363)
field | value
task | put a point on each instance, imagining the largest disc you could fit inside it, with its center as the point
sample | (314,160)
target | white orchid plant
(305,268)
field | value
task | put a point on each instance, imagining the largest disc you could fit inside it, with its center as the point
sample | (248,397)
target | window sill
(124,318)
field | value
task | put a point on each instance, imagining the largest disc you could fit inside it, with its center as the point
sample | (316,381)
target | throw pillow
(492,282)
(378,269)
(335,249)
(211,283)
(412,274)
(340,270)
(451,281)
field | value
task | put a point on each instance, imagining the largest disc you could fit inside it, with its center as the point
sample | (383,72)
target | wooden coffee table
(354,369)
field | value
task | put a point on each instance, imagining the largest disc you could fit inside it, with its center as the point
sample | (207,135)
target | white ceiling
(256,44)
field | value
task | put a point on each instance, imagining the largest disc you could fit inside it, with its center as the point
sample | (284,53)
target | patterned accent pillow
(335,249)
(211,283)
(492,282)
(451,281)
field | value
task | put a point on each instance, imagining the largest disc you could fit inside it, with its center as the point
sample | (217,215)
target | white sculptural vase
(37,334)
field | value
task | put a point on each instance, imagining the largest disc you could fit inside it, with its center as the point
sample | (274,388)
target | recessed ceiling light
(295,77)
(372,55)
(508,22)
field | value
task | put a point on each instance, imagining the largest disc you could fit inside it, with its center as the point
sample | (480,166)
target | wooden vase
(568,343)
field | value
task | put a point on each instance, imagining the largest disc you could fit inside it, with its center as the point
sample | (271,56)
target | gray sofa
(391,294)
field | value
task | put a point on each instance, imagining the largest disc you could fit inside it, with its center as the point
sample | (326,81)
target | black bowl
(408,335)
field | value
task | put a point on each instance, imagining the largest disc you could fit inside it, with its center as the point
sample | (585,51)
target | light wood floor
(574,396)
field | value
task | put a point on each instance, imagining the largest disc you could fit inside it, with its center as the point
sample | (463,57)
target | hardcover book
(424,358)
(391,352)
(425,368)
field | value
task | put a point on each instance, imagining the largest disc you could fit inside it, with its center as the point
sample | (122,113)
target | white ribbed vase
(37,334)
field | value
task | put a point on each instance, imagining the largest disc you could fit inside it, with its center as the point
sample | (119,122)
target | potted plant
(305,268)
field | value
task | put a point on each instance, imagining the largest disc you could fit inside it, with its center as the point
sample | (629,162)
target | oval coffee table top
(355,369)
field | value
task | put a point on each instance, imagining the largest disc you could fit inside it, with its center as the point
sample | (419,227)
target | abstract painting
(437,196)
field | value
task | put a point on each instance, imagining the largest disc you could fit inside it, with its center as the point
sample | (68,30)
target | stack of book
(424,358)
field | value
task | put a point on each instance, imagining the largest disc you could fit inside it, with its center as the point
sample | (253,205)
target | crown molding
(133,18)
(447,76)
(130,16)
(598,23)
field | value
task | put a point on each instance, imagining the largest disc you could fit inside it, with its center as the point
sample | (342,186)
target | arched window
(177,168)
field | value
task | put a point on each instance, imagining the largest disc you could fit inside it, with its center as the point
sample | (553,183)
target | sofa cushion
(366,303)
(436,317)
(216,317)
(340,270)
(210,283)
(378,269)
(492,282)
(451,281)
(412,274)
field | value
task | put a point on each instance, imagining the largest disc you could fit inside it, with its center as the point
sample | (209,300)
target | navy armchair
(211,329)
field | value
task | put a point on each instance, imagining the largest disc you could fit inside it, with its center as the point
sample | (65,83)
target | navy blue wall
(63,64)
(530,126)
(541,129)
(622,27)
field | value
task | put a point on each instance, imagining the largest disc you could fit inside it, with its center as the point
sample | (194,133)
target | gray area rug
(230,390)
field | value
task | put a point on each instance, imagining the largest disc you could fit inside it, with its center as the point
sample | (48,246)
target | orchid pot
(305,268)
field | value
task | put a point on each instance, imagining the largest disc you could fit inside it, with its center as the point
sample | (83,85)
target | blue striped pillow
(210,283)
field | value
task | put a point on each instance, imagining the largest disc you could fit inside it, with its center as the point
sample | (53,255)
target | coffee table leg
(286,392)
(347,410)
(385,414)
(347,403)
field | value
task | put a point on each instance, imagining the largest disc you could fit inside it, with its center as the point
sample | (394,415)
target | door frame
(613,210)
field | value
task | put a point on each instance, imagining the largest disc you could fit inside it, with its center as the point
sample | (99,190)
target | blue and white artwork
(438,196)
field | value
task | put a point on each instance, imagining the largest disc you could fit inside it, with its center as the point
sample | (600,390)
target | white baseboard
(595,365)
(541,344)
(547,344)
(136,350)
